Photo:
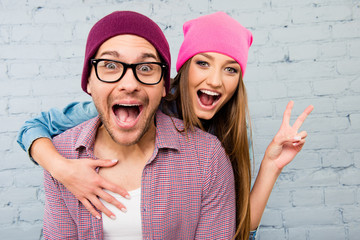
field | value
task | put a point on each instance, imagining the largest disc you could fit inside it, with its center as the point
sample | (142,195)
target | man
(186,181)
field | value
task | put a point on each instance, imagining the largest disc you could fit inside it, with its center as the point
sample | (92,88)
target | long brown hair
(231,130)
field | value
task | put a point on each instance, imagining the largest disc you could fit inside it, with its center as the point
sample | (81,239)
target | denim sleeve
(51,123)
(253,234)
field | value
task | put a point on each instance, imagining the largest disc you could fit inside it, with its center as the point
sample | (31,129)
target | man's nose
(129,82)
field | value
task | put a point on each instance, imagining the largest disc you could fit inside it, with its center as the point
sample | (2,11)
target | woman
(208,93)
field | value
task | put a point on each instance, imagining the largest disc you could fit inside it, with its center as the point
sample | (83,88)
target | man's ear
(164,91)
(88,87)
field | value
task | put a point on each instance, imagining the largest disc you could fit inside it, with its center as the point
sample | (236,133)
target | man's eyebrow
(111,53)
(150,55)
(143,56)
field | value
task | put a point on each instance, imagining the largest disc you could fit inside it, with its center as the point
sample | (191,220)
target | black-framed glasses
(110,71)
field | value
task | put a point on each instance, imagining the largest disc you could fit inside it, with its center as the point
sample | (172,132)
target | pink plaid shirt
(187,187)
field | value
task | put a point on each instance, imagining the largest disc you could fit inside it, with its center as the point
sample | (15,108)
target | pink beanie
(217,32)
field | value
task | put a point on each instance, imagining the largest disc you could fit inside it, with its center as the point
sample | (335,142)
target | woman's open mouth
(207,98)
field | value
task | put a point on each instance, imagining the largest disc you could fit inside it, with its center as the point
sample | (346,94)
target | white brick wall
(307,51)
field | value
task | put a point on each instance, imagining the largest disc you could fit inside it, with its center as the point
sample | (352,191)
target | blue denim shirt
(52,123)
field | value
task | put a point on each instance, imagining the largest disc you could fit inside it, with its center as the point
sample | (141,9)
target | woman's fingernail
(114,160)
(124,210)
(98,217)
(127,197)
(113,217)
(297,138)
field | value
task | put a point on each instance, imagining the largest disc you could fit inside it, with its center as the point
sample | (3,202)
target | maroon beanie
(125,22)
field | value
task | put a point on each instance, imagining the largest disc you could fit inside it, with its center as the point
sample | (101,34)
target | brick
(32,214)
(303,52)
(17,196)
(357,163)
(4,34)
(19,160)
(28,52)
(298,233)
(305,160)
(328,233)
(29,178)
(339,197)
(321,14)
(347,29)
(330,86)
(295,71)
(272,218)
(332,50)
(278,90)
(48,15)
(15,16)
(16,232)
(336,158)
(354,49)
(297,217)
(279,199)
(355,85)
(272,54)
(26,33)
(8,215)
(308,197)
(328,124)
(23,70)
(199,6)
(350,176)
(11,88)
(23,105)
(57,33)
(223,5)
(295,34)
(348,67)
(354,231)
(312,178)
(260,109)
(271,234)
(351,214)
(349,141)
(274,17)
(6,178)
(299,89)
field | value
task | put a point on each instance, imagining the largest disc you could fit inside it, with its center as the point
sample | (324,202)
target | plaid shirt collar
(166,133)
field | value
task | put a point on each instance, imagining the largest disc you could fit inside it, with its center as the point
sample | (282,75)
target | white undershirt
(126,225)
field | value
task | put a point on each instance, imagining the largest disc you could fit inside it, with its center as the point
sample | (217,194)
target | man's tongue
(205,99)
(126,114)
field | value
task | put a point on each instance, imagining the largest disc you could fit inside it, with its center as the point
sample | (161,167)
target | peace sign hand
(287,141)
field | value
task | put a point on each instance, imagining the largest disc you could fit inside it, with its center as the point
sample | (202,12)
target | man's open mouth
(127,113)
(208,98)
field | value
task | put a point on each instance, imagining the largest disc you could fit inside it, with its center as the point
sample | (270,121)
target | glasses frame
(126,66)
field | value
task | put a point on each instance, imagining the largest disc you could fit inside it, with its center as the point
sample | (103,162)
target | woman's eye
(202,63)
(231,70)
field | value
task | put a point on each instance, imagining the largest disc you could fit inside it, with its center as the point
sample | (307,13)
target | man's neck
(132,159)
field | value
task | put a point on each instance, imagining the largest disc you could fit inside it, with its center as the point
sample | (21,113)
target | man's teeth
(128,105)
(209,92)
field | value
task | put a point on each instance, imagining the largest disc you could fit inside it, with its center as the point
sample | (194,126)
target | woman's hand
(287,141)
(79,176)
